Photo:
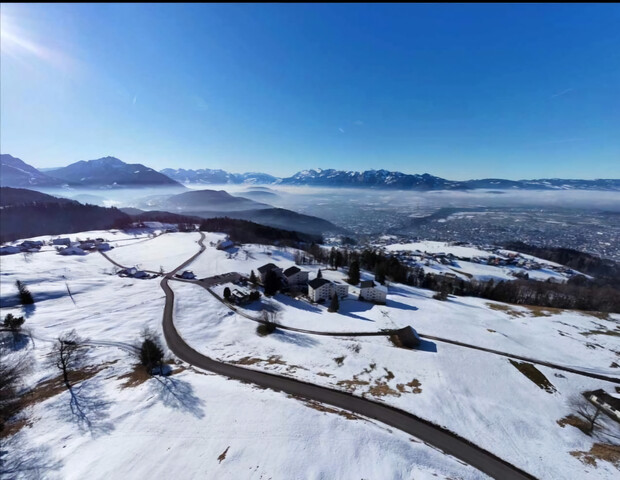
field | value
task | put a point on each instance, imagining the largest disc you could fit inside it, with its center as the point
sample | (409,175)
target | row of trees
(578,293)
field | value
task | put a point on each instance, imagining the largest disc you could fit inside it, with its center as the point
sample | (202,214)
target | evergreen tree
(354,273)
(253,280)
(319,274)
(14,324)
(25,296)
(334,306)
(272,283)
(227,293)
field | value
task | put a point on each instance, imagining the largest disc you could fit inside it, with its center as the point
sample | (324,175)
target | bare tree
(588,411)
(68,354)
(12,370)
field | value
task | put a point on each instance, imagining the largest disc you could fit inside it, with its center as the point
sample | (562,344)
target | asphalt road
(432,434)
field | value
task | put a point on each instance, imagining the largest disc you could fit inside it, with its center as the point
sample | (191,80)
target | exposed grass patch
(46,390)
(382,389)
(351,385)
(273,360)
(599,451)
(507,309)
(611,333)
(414,387)
(324,408)
(576,422)
(535,375)
(137,376)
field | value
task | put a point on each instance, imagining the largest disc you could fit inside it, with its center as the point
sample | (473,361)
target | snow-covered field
(466,269)
(180,428)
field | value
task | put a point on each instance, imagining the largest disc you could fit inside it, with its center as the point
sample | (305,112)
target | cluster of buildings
(27,246)
(134,272)
(321,289)
(80,247)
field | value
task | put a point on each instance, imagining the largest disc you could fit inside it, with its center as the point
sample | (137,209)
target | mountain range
(383,179)
(107,172)
(110,172)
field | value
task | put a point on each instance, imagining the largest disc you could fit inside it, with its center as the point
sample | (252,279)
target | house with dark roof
(295,277)
(265,269)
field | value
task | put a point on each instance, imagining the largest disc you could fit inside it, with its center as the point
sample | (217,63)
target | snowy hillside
(194,424)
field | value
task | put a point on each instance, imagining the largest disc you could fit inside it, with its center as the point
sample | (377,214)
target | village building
(265,269)
(9,250)
(66,241)
(295,277)
(188,275)
(373,292)
(72,251)
(321,289)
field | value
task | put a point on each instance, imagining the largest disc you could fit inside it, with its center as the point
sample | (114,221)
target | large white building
(373,292)
(321,289)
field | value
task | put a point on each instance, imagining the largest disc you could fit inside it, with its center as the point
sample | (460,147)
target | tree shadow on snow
(87,408)
(178,394)
(17,461)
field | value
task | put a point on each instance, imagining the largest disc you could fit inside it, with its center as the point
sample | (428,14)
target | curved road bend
(432,434)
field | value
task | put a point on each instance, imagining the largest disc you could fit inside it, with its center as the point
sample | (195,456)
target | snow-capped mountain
(209,176)
(112,172)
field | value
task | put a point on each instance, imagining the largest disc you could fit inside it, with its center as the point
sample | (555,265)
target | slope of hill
(212,204)
(14,172)
(112,172)
(26,213)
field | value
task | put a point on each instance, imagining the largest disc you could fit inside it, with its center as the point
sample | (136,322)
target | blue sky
(459,91)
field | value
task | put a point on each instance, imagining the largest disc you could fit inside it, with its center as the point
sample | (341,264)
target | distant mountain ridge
(384,179)
(208,176)
(111,172)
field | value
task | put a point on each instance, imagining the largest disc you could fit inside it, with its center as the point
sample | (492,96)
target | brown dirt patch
(599,451)
(382,389)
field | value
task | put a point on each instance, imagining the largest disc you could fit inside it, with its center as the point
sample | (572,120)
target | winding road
(432,434)
(428,432)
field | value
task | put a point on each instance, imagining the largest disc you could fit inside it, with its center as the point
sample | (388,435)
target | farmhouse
(320,289)
(72,251)
(373,292)
(265,269)
(188,275)
(66,241)
(9,250)
(295,277)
